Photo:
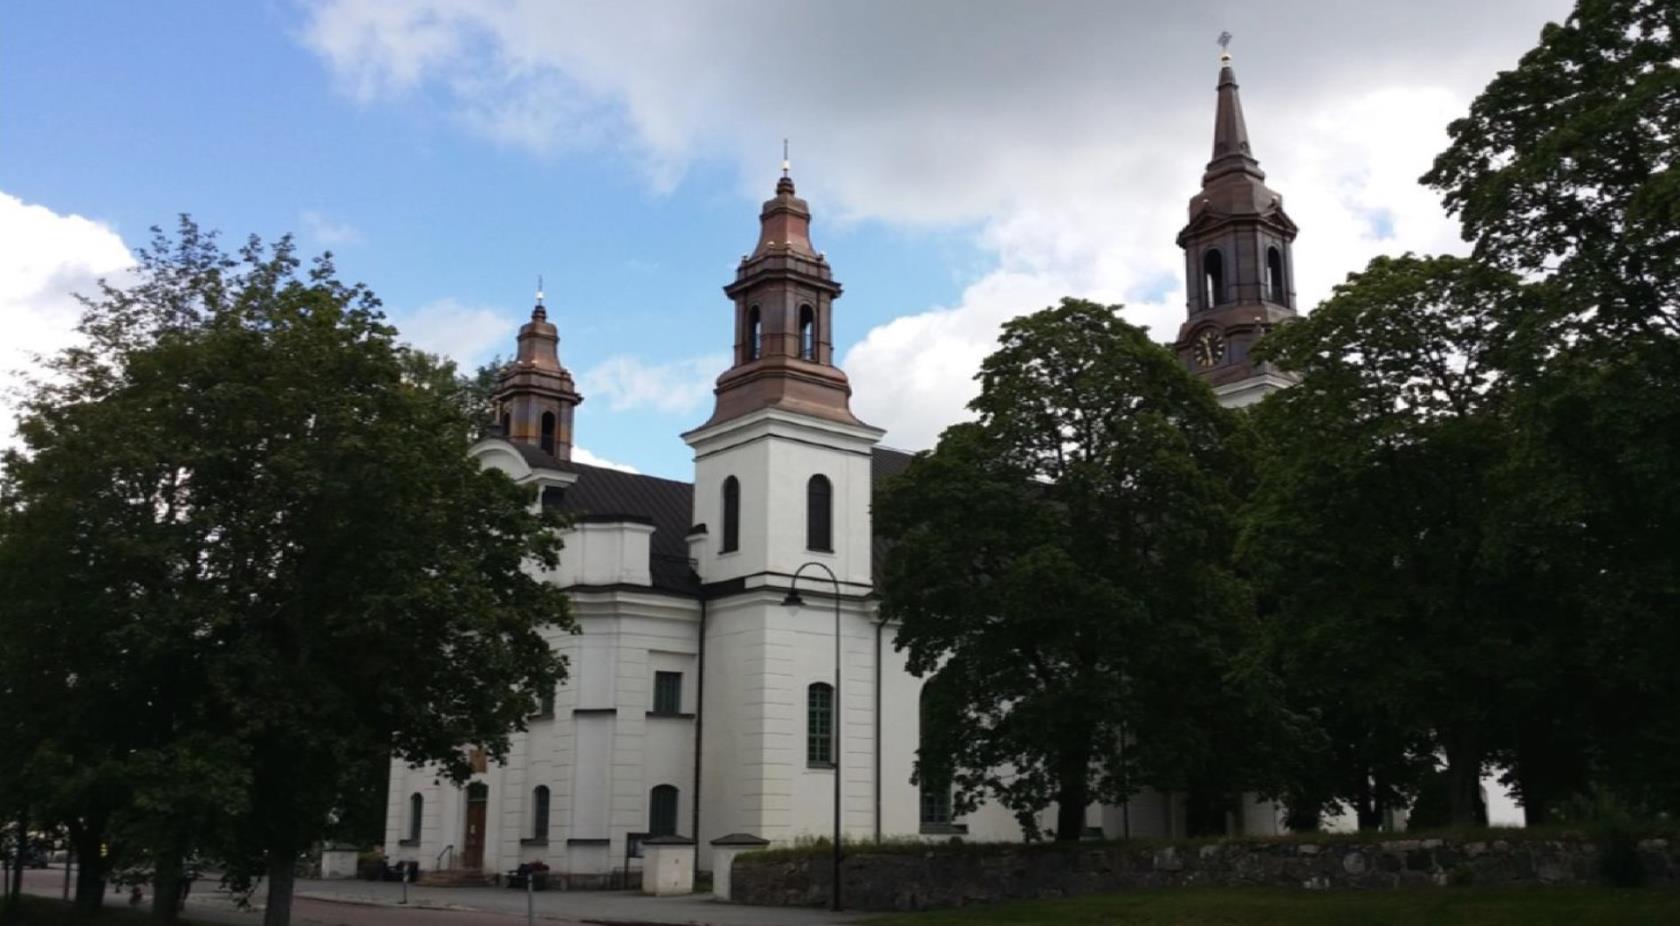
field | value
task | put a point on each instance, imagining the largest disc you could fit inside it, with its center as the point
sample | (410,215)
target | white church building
(701,702)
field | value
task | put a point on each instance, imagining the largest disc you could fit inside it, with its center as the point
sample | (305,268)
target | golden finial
(786,164)
(1225,47)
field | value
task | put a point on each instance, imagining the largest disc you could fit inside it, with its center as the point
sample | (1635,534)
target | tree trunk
(166,888)
(1073,793)
(1464,780)
(282,868)
(90,869)
(1365,804)
(16,874)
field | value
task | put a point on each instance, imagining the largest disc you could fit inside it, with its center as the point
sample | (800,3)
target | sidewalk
(374,903)
(611,907)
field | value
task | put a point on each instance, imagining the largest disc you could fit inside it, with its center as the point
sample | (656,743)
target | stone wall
(904,879)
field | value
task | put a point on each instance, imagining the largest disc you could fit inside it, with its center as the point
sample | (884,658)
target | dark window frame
(731,515)
(416,812)
(549,424)
(667,692)
(663,801)
(819,514)
(819,725)
(539,812)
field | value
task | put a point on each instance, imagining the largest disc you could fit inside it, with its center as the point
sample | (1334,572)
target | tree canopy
(1060,568)
(245,556)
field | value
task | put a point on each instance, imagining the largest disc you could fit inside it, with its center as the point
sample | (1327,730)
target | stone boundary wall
(912,880)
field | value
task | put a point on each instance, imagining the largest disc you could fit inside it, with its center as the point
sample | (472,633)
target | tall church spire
(1239,266)
(1231,151)
(535,397)
(784,294)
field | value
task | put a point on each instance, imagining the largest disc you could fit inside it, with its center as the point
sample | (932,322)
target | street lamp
(793,601)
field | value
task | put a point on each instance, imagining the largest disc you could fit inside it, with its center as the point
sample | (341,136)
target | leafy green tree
(1565,166)
(1565,170)
(1375,531)
(1060,569)
(245,542)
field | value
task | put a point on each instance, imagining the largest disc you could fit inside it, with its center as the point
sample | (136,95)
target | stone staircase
(455,877)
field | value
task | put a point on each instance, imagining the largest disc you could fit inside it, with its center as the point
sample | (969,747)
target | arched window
(1274,277)
(662,811)
(819,514)
(416,806)
(935,778)
(1213,278)
(807,333)
(731,515)
(548,432)
(819,724)
(755,333)
(539,812)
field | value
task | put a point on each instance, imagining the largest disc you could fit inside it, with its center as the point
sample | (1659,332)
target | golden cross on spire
(1224,46)
(786,164)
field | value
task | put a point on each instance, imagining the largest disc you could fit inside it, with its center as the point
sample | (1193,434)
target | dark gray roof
(667,504)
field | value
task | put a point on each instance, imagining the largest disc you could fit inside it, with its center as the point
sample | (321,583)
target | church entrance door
(472,847)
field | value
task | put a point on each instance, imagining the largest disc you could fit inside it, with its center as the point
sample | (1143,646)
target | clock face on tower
(1208,348)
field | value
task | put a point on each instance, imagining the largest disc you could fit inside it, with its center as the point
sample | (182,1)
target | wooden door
(472,850)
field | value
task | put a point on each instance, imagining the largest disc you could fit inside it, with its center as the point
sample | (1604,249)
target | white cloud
(580,455)
(45,260)
(625,382)
(325,230)
(1071,134)
(464,333)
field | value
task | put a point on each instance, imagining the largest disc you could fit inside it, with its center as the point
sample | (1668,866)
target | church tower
(1237,261)
(535,398)
(782,483)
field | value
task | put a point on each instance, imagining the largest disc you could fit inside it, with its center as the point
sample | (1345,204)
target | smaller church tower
(1237,260)
(784,294)
(535,398)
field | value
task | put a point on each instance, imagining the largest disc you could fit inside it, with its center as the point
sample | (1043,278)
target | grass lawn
(1263,907)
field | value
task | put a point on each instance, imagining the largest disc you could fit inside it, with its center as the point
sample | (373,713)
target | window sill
(944,829)
(586,841)
(408,842)
(829,550)
(674,715)
(820,766)
(545,715)
(534,841)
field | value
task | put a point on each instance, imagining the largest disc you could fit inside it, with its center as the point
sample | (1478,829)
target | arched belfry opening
(1276,291)
(1213,278)
(754,334)
(807,333)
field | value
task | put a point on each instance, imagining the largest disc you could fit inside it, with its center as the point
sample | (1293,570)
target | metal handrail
(448,850)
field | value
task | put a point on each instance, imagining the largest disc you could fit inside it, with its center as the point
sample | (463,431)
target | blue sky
(137,112)
(966,162)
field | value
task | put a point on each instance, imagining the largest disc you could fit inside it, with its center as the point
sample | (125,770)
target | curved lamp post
(793,601)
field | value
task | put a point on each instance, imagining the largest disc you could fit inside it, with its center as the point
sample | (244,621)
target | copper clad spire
(1231,151)
(535,396)
(784,294)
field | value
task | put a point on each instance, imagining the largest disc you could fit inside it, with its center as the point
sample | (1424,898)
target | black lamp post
(793,601)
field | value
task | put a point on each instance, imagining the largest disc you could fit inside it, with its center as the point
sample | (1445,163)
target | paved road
(367,903)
